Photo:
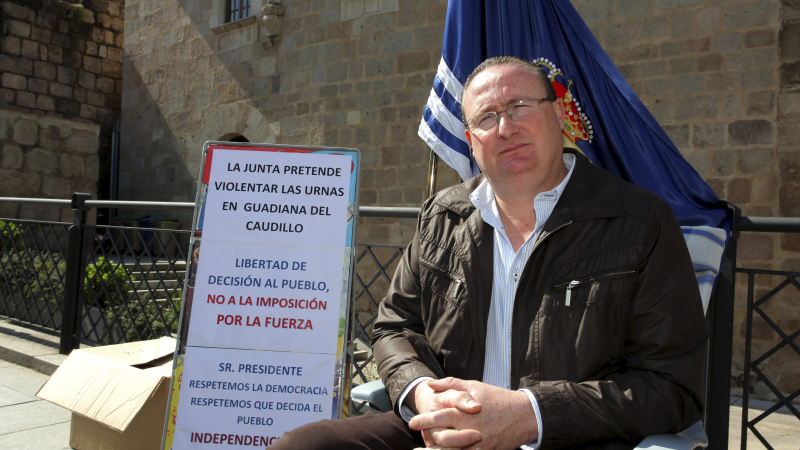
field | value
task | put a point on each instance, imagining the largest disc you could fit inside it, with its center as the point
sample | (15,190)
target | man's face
(529,147)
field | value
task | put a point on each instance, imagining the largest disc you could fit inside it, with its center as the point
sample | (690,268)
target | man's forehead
(502,83)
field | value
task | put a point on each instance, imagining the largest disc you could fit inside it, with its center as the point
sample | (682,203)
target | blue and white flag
(605,118)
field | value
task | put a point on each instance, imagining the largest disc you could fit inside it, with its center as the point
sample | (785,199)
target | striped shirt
(508,266)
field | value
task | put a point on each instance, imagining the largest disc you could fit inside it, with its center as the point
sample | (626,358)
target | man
(567,291)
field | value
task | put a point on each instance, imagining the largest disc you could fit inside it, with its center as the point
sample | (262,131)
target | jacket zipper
(514,301)
(575,283)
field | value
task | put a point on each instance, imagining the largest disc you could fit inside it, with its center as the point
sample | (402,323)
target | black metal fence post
(720,347)
(74,271)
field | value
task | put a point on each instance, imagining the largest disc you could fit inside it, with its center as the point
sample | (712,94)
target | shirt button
(516,277)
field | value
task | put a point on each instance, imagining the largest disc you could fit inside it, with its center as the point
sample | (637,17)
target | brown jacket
(625,360)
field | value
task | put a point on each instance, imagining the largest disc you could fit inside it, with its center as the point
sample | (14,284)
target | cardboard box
(117,394)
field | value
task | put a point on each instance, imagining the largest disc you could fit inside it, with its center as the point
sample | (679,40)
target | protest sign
(265,311)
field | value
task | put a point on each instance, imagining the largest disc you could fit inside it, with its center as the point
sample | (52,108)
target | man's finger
(455,438)
(448,383)
(460,400)
(445,418)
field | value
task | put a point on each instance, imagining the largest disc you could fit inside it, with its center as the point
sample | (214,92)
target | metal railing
(121,283)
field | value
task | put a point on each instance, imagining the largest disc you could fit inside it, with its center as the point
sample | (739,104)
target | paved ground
(28,423)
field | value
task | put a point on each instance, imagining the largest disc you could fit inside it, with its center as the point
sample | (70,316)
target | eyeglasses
(521,109)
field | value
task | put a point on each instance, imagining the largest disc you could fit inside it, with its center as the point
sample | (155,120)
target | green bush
(10,237)
(103,272)
(32,277)
(131,321)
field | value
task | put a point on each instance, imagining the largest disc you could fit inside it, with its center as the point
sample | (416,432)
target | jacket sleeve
(398,337)
(657,386)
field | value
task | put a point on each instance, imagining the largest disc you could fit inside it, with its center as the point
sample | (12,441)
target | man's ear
(558,107)
(469,136)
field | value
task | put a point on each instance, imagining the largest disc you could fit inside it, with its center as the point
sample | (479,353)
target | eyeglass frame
(497,113)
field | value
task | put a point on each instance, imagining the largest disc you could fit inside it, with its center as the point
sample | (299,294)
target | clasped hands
(460,414)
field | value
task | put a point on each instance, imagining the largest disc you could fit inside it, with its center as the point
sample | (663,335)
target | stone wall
(45,157)
(64,60)
(719,76)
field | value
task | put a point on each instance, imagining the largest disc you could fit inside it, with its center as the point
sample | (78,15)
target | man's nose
(506,127)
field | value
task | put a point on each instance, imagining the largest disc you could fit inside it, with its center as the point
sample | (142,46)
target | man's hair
(531,67)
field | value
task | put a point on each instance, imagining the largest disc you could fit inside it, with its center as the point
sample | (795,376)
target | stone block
(18,11)
(60,90)
(13,185)
(91,64)
(45,103)
(754,161)
(82,141)
(37,85)
(65,75)
(3,129)
(679,135)
(56,187)
(739,191)
(50,138)
(789,166)
(709,19)
(430,36)
(658,68)
(597,10)
(789,41)
(750,132)
(709,63)
(682,66)
(96,98)
(26,99)
(668,49)
(659,87)
(44,70)
(684,109)
(697,45)
(413,62)
(707,107)
(26,132)
(690,84)
(630,8)
(379,66)
(12,157)
(45,36)
(789,129)
(12,45)
(17,28)
(14,81)
(708,135)
(761,103)
(749,14)
(732,106)
(760,38)
(722,81)
(88,111)
(71,166)
(723,163)
(757,78)
(13,64)
(674,4)
(636,53)
(92,168)
(111,69)
(755,247)
(29,49)
(397,41)
(651,27)
(737,60)
(727,42)
(790,74)
(682,24)
(789,102)
(41,160)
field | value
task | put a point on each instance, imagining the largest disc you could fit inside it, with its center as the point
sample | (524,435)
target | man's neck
(515,199)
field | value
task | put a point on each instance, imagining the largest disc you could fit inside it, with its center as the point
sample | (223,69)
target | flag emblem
(577,126)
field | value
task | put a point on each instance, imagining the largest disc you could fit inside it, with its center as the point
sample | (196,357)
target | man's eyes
(521,108)
(486,118)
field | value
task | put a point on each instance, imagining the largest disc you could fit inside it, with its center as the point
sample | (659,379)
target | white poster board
(262,333)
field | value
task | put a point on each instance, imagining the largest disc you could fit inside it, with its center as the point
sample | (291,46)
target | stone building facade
(721,76)
(63,59)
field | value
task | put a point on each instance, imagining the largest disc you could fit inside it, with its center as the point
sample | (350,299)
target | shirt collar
(483,196)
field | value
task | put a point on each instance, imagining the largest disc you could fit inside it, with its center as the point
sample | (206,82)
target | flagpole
(432,163)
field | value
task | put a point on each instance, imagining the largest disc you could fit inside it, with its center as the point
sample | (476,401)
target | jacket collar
(590,194)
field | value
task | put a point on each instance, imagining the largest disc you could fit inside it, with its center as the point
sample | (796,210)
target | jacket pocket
(585,289)
(424,351)
(443,283)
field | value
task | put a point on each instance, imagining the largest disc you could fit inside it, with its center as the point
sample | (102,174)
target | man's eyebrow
(490,108)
